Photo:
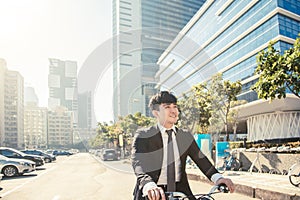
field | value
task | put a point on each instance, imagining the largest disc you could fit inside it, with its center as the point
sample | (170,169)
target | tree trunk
(234,131)
(226,131)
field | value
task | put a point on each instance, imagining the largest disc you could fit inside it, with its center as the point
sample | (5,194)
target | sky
(34,30)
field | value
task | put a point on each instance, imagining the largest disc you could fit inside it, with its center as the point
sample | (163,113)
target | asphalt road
(83,177)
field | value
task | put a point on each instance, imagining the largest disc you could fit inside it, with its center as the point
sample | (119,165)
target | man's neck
(167,127)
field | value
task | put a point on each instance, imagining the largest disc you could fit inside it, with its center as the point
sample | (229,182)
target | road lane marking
(56,197)
(26,182)
(112,167)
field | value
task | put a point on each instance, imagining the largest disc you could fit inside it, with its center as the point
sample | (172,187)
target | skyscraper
(11,107)
(142,30)
(62,83)
(30,96)
(2,85)
(35,121)
(85,110)
(35,126)
(60,127)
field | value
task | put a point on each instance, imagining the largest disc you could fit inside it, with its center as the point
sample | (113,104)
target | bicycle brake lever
(223,188)
(175,195)
(213,189)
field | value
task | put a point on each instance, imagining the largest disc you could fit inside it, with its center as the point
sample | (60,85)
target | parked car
(110,154)
(14,153)
(47,157)
(61,153)
(13,167)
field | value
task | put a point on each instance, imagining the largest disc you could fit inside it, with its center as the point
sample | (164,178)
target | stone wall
(277,162)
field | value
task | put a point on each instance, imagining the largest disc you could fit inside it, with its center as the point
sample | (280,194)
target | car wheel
(47,160)
(10,171)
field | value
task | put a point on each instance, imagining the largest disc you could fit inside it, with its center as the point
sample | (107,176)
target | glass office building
(142,30)
(225,36)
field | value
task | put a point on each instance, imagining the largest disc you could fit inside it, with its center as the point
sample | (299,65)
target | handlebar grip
(223,188)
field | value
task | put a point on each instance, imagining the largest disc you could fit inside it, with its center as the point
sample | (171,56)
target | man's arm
(139,160)
(207,167)
(198,157)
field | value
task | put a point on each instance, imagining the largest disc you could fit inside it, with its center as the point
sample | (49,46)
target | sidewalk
(259,185)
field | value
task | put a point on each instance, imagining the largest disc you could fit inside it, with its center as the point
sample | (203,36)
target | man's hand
(227,182)
(156,193)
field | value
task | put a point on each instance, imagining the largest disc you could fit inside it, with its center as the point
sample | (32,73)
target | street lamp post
(121,144)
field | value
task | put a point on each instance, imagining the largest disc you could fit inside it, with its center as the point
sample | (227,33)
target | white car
(13,167)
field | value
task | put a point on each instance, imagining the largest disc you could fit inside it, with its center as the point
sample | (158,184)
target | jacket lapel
(156,139)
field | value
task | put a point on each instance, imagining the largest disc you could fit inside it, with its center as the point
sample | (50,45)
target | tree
(222,94)
(130,123)
(107,135)
(233,115)
(203,99)
(278,73)
(195,109)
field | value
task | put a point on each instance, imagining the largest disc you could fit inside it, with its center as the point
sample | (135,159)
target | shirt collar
(163,129)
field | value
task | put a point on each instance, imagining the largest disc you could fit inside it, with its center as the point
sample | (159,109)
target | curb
(251,191)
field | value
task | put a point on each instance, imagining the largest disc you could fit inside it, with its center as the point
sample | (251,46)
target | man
(150,161)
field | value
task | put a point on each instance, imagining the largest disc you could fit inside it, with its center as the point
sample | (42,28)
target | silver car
(13,167)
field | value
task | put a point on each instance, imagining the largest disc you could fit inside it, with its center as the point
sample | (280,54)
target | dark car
(110,154)
(47,157)
(14,153)
(61,153)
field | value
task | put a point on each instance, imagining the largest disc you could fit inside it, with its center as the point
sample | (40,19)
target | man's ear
(155,113)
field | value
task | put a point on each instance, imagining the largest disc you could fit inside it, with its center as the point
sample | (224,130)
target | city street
(83,177)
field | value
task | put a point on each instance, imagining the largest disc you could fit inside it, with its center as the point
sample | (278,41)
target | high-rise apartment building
(35,121)
(35,126)
(11,107)
(3,70)
(62,83)
(226,36)
(142,30)
(60,127)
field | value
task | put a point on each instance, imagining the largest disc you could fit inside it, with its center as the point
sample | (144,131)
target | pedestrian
(157,170)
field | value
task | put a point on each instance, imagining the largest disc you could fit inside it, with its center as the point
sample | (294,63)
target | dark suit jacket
(147,156)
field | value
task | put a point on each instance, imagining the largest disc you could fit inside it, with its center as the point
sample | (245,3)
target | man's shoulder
(147,131)
(183,132)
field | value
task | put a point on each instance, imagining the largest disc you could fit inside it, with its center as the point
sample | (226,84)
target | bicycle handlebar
(181,196)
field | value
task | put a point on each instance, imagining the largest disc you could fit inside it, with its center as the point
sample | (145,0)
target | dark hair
(161,97)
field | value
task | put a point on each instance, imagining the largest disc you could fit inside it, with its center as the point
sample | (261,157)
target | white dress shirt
(163,175)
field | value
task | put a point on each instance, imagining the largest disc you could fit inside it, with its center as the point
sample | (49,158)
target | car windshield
(110,151)
(20,152)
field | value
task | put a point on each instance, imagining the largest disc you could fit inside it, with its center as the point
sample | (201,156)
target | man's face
(167,114)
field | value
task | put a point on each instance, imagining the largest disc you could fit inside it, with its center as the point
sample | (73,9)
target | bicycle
(294,174)
(230,162)
(222,188)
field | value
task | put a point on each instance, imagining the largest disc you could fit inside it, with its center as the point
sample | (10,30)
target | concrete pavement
(257,185)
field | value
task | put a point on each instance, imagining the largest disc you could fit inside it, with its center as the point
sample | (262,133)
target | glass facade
(227,40)
(143,29)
